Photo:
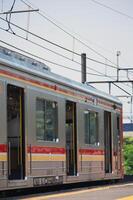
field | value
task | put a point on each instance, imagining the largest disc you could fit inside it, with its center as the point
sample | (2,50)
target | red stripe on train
(46,150)
(55,150)
(43,84)
(27,79)
(38,149)
(91,151)
(56,88)
(3,148)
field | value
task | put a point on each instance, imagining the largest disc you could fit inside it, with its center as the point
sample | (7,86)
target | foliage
(128,155)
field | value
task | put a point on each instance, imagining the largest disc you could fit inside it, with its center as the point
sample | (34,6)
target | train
(54,130)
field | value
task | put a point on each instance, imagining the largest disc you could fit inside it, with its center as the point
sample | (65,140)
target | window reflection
(91,127)
(46,120)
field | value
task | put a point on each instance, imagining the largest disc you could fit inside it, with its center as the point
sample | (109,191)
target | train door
(15,132)
(117,145)
(108,142)
(71,139)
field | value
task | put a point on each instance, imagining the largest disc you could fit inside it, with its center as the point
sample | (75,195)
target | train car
(54,130)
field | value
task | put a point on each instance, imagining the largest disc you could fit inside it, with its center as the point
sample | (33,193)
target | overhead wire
(8,17)
(41,38)
(75,38)
(54,52)
(57,45)
(39,45)
(112,9)
(33,55)
(71,35)
(52,44)
(86,46)
(46,60)
(38,57)
(60,65)
(55,23)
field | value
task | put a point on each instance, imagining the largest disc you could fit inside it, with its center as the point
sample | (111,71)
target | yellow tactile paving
(66,194)
(126,198)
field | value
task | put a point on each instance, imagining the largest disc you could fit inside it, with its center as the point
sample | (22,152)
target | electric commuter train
(54,130)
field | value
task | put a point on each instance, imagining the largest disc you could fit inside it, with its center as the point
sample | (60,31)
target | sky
(102,30)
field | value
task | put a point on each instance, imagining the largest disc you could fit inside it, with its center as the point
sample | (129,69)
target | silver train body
(54,130)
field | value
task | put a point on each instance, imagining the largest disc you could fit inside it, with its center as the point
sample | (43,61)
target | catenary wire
(56,53)
(54,62)
(31,41)
(57,45)
(50,42)
(55,24)
(71,35)
(110,8)
(9,15)
(40,58)
(45,16)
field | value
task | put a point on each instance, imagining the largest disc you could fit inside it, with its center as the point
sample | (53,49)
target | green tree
(128,155)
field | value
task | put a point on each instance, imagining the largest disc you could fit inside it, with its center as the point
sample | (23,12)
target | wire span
(40,58)
(71,35)
(103,75)
(112,9)
(57,45)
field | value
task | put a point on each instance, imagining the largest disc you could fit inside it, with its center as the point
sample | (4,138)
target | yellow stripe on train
(92,158)
(50,157)
(3,157)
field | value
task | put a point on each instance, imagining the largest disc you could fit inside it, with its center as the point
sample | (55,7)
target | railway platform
(112,192)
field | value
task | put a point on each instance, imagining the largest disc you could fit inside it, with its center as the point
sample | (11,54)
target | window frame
(97,139)
(45,100)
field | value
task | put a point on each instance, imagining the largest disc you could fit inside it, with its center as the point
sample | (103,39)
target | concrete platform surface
(113,192)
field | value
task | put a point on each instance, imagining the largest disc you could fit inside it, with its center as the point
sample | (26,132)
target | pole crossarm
(120,81)
(19,11)
(124,96)
(114,83)
(125,69)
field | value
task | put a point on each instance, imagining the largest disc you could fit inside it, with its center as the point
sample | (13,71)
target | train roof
(29,65)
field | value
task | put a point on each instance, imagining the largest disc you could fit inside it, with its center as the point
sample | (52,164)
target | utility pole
(83,67)
(131,106)
(118,53)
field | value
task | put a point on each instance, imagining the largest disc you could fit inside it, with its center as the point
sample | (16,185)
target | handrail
(30,159)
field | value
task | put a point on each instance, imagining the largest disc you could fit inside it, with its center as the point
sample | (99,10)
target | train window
(46,120)
(91,127)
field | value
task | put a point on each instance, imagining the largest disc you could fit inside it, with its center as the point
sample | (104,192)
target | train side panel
(66,153)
